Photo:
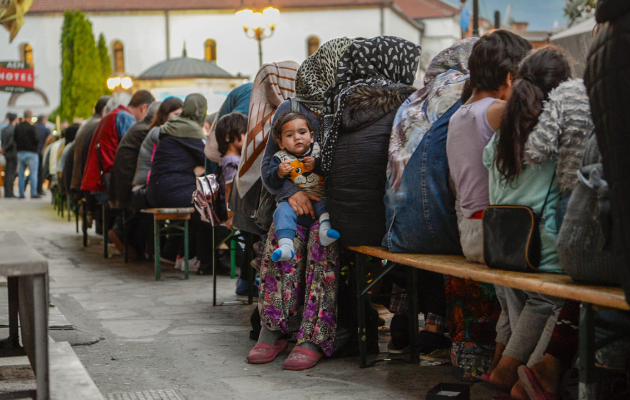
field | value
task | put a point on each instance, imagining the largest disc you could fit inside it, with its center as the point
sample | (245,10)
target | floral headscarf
(317,73)
(380,61)
(444,83)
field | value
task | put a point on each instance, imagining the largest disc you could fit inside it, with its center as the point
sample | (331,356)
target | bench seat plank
(183,210)
(550,284)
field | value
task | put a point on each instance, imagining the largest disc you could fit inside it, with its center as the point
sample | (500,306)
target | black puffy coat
(606,79)
(357,178)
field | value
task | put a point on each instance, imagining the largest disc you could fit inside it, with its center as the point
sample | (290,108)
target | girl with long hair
(514,181)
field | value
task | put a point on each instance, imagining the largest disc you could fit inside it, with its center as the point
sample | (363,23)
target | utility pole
(475,31)
(497,19)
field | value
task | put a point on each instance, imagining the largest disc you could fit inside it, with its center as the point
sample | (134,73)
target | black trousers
(10,171)
(40,174)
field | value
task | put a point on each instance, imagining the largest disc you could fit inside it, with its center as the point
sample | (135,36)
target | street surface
(134,334)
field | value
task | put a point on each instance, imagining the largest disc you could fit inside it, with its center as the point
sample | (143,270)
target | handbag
(511,236)
(209,198)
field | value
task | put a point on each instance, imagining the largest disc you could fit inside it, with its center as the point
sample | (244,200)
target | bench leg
(14,336)
(214,272)
(232,259)
(412,290)
(105,231)
(186,249)
(586,353)
(76,214)
(360,280)
(85,227)
(124,233)
(249,254)
(156,250)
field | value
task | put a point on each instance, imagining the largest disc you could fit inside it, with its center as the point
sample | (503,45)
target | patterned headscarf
(444,83)
(317,73)
(274,83)
(380,61)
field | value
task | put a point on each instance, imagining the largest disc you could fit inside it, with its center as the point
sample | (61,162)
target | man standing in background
(27,141)
(43,132)
(9,149)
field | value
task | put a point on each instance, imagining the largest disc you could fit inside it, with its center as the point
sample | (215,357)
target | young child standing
(298,160)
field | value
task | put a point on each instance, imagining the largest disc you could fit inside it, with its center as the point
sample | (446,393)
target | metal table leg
(156,250)
(14,336)
(186,249)
(412,289)
(361,278)
(105,230)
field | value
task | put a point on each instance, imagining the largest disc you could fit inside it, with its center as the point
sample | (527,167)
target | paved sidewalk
(147,335)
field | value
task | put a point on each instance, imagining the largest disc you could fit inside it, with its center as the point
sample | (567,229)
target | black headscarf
(378,62)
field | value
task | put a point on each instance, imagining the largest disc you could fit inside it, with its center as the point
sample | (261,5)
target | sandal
(265,353)
(532,387)
(301,359)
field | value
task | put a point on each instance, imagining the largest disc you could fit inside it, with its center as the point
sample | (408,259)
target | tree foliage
(576,8)
(106,63)
(82,67)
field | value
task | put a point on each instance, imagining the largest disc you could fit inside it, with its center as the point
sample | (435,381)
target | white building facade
(150,37)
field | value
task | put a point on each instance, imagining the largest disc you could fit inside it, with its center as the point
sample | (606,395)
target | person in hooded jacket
(67,151)
(178,160)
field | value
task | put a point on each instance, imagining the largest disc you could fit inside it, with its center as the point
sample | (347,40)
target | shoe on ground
(36,197)
(392,349)
(301,359)
(266,353)
(193,264)
(433,346)
(21,197)
(242,287)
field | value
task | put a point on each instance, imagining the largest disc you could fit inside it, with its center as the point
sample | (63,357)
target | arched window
(210,50)
(312,44)
(26,54)
(119,57)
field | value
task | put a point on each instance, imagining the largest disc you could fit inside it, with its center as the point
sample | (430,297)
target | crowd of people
(343,151)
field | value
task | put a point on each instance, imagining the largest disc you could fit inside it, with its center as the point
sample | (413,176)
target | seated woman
(178,160)
(513,181)
(310,309)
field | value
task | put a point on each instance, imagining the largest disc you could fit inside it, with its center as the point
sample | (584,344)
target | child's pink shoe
(266,353)
(301,358)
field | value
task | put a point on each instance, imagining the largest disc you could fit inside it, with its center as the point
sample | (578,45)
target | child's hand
(284,169)
(309,163)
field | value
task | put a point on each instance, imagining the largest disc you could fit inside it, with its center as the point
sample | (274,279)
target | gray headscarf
(190,123)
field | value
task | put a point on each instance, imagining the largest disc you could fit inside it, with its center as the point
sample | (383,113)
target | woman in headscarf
(177,161)
(373,80)
(287,303)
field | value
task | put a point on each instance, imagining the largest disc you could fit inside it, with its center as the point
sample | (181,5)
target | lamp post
(259,25)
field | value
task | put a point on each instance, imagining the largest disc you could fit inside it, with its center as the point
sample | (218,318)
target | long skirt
(301,295)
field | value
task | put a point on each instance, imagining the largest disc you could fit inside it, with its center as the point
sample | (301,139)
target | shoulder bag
(511,236)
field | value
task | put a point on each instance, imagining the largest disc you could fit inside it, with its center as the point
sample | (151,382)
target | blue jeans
(285,219)
(421,214)
(30,160)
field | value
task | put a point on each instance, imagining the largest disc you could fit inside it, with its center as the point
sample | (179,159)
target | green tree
(576,8)
(106,62)
(81,68)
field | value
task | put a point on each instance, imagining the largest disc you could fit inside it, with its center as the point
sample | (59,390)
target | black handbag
(511,237)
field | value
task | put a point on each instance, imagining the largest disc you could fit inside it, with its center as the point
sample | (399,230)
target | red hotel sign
(16,77)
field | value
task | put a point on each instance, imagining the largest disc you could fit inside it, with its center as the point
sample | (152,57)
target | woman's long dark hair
(540,72)
(168,106)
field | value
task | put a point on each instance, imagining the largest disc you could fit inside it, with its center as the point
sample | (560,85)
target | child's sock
(285,250)
(327,235)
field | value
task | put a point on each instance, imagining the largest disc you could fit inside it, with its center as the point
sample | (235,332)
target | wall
(439,34)
(144,38)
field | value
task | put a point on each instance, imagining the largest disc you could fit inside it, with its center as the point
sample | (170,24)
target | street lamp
(259,25)
(118,83)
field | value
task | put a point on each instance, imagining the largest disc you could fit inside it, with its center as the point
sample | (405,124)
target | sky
(540,14)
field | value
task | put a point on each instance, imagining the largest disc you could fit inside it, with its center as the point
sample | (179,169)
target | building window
(312,44)
(210,50)
(26,54)
(119,57)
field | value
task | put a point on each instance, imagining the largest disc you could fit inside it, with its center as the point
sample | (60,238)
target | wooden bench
(457,266)
(169,218)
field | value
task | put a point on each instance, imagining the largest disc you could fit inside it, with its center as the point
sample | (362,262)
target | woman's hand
(199,171)
(301,203)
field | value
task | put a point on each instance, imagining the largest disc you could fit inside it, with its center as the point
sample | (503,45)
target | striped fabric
(274,83)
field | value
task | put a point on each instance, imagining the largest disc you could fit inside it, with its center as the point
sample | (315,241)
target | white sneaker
(193,264)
